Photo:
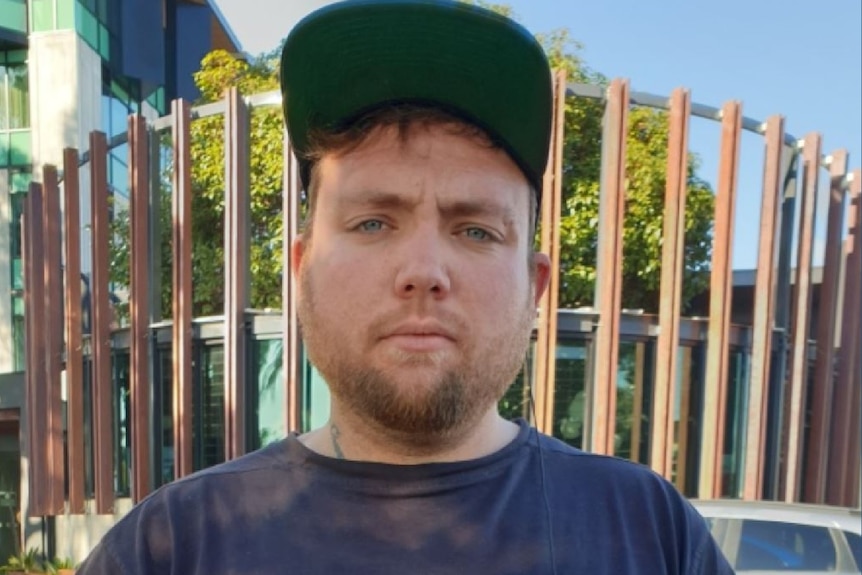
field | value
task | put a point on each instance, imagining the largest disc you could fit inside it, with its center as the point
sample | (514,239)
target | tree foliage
(646,162)
(646,165)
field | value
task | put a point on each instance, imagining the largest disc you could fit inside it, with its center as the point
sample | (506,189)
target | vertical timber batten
(139,305)
(53,338)
(74,338)
(801,309)
(764,311)
(672,266)
(100,338)
(608,291)
(182,289)
(817,445)
(721,286)
(237,260)
(291,359)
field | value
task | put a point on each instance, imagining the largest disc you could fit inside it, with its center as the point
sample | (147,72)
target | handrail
(592,91)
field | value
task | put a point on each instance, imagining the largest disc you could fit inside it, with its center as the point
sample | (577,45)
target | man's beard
(427,414)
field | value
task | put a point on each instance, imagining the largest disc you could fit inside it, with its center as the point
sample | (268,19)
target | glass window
(14,97)
(89,463)
(65,14)
(13,15)
(4,98)
(19,152)
(687,411)
(164,425)
(634,390)
(104,43)
(18,333)
(41,15)
(315,397)
(16,199)
(778,546)
(267,399)
(736,416)
(208,414)
(570,392)
(88,27)
(517,401)
(854,541)
(122,423)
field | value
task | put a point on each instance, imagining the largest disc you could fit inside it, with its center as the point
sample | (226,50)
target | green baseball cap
(352,57)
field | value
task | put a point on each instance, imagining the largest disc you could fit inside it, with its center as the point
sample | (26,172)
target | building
(68,67)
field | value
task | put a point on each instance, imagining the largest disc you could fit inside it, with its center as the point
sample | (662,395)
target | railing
(780,328)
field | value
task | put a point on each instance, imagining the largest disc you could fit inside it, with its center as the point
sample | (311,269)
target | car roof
(805,513)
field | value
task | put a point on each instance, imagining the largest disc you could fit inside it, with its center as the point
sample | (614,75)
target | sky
(797,58)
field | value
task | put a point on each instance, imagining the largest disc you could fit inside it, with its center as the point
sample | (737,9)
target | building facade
(67,68)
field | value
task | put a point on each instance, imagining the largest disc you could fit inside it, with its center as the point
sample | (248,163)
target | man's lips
(421,330)
(419,337)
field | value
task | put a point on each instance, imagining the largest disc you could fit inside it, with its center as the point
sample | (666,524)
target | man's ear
(542,273)
(297,250)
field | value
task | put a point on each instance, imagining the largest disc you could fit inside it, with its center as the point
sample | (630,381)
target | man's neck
(346,436)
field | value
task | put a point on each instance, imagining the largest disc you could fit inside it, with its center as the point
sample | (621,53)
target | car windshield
(781,546)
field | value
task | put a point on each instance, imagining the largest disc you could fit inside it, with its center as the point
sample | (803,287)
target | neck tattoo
(335,433)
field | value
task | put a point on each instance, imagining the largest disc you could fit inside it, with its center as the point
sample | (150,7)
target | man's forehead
(429,155)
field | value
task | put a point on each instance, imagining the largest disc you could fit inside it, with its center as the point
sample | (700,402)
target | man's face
(416,295)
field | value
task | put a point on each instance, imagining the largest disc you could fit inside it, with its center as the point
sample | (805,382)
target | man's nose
(423,270)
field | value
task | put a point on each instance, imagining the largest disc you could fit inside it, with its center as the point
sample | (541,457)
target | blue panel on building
(143,39)
(194,39)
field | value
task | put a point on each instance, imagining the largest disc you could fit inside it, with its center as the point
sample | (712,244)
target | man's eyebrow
(476,207)
(377,199)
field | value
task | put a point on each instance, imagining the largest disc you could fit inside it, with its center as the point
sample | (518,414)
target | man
(422,129)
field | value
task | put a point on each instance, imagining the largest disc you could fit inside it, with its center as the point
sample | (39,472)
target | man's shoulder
(595,479)
(186,509)
(568,458)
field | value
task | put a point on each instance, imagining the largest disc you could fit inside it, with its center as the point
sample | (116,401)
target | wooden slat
(553,291)
(721,289)
(291,360)
(817,445)
(103,388)
(53,414)
(801,311)
(764,311)
(843,487)
(237,296)
(182,288)
(139,305)
(672,267)
(34,297)
(608,291)
(551,199)
(74,343)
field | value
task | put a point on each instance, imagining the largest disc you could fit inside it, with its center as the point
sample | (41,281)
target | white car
(774,537)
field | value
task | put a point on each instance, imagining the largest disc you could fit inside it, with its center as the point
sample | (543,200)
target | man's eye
(370,226)
(477,234)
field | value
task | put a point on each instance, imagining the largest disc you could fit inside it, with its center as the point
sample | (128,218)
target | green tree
(645,171)
(219,72)
(646,164)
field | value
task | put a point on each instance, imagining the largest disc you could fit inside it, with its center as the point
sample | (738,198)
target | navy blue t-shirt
(286,509)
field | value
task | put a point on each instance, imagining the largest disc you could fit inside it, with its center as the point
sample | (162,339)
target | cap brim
(351,57)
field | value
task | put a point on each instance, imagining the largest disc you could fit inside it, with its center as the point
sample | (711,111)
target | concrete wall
(66,105)
(76,535)
(65,94)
